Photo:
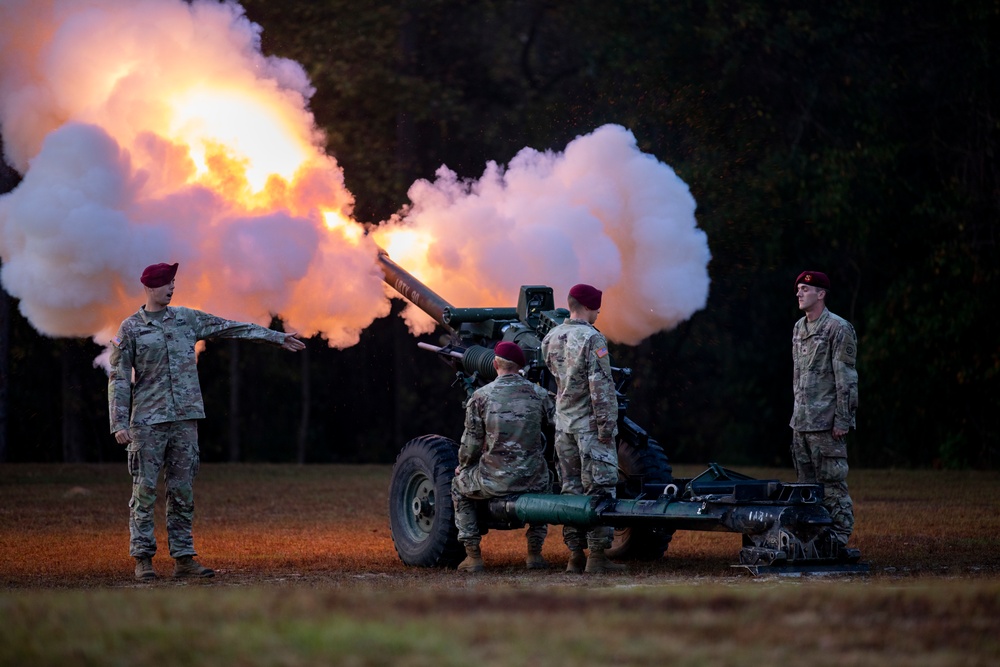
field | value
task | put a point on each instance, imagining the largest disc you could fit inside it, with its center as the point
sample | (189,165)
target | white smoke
(601,212)
(155,131)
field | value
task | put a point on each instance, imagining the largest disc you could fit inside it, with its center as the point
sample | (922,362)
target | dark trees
(845,137)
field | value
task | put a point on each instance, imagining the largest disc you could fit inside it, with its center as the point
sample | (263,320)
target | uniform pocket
(134,463)
(604,462)
(833,469)
(833,448)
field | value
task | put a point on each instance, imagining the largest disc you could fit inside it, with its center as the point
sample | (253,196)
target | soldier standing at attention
(155,415)
(502,452)
(825,386)
(576,353)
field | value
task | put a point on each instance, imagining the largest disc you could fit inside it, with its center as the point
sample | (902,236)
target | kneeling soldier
(502,452)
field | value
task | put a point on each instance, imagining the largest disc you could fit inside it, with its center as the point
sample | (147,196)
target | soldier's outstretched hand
(292,342)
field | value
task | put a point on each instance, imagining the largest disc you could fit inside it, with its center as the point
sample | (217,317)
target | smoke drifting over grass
(156,131)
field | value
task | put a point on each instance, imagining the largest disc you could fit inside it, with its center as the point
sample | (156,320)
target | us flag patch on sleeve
(117,341)
(601,352)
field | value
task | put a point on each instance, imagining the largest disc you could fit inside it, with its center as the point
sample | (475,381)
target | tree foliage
(846,136)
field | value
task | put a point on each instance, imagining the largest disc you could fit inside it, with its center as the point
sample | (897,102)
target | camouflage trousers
(465,490)
(819,457)
(586,467)
(172,447)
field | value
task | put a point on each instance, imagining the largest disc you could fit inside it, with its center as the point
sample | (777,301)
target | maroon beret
(510,352)
(158,275)
(813,278)
(587,296)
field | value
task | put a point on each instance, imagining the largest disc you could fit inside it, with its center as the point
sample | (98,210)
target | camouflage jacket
(503,434)
(824,378)
(161,355)
(576,353)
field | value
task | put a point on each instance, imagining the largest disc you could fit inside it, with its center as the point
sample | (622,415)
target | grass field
(307,575)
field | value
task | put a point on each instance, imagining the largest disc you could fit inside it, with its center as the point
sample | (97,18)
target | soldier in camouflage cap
(502,452)
(586,420)
(154,414)
(825,387)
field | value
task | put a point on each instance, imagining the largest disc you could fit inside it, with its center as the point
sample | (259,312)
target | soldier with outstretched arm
(154,400)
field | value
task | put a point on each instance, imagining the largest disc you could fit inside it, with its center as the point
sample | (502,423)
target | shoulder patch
(116,341)
(601,352)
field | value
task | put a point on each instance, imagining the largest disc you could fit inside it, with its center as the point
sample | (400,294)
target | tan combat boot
(144,569)
(473,559)
(187,566)
(535,560)
(577,561)
(599,563)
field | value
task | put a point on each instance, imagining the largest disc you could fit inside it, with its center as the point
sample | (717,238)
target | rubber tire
(425,535)
(636,465)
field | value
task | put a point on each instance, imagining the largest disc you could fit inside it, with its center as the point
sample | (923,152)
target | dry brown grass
(67,526)
(308,575)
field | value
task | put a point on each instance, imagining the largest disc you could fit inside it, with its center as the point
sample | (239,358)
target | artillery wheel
(421,514)
(635,466)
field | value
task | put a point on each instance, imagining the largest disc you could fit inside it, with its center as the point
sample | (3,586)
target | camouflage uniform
(160,409)
(586,418)
(825,384)
(502,451)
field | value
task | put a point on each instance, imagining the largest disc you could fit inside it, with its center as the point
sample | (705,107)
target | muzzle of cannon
(474,332)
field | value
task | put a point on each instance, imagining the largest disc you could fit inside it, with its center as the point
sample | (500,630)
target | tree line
(849,137)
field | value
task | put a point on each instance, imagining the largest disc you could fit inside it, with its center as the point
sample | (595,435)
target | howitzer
(785,528)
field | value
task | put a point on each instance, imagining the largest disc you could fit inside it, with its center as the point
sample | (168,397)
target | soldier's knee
(843,516)
(143,496)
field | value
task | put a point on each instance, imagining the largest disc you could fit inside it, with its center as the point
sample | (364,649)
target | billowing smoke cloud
(601,212)
(155,130)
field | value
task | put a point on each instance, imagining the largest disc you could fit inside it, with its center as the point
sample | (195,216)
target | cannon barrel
(463,315)
(417,293)
(424,298)
(473,358)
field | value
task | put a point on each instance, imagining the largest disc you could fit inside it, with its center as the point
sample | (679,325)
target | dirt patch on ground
(66,526)
(307,575)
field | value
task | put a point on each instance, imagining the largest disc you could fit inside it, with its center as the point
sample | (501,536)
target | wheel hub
(422,506)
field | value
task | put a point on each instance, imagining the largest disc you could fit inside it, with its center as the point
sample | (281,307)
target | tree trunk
(72,430)
(8,181)
(406,148)
(4,369)
(406,166)
(303,439)
(234,401)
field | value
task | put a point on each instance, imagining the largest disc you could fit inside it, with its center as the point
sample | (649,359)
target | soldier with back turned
(576,353)
(502,452)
